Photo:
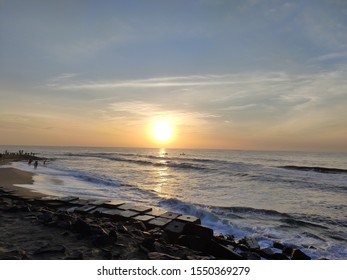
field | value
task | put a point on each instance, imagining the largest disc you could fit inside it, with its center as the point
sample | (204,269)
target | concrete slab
(144,218)
(174,230)
(110,213)
(113,203)
(135,207)
(197,230)
(128,214)
(98,202)
(159,222)
(156,212)
(170,215)
(85,209)
(189,219)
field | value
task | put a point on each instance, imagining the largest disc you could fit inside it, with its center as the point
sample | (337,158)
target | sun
(162,130)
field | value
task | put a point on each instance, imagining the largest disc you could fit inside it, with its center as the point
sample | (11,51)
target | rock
(75,256)
(251,243)
(50,249)
(45,217)
(113,234)
(251,255)
(266,253)
(297,254)
(278,245)
(100,240)
(64,224)
(278,256)
(156,233)
(96,229)
(148,244)
(288,251)
(139,225)
(13,255)
(82,227)
(161,256)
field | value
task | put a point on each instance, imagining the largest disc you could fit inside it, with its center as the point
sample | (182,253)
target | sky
(238,74)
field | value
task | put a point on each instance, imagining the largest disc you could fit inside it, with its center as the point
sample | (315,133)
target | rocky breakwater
(74,228)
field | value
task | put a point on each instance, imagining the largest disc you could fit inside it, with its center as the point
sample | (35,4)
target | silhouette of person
(36,164)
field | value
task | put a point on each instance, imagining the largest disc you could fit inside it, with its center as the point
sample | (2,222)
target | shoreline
(74,228)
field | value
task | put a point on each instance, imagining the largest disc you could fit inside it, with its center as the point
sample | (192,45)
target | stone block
(113,203)
(266,253)
(170,215)
(189,219)
(159,222)
(192,242)
(174,229)
(85,209)
(134,207)
(144,218)
(110,213)
(98,202)
(204,233)
(126,214)
(97,210)
(221,251)
(156,212)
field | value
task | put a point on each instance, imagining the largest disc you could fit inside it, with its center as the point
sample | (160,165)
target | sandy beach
(35,226)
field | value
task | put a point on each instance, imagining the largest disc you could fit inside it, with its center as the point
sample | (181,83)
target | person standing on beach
(36,164)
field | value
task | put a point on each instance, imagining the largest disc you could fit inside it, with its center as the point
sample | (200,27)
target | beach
(37,226)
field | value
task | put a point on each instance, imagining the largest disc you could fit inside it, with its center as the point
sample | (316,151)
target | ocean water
(297,198)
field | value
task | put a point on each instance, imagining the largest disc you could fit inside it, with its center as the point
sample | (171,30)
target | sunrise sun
(162,130)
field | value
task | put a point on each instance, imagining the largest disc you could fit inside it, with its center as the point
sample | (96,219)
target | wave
(295,222)
(315,169)
(164,162)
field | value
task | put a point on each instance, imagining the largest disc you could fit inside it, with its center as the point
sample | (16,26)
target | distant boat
(183,154)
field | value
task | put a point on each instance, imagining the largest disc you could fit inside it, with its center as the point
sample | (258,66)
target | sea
(296,198)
